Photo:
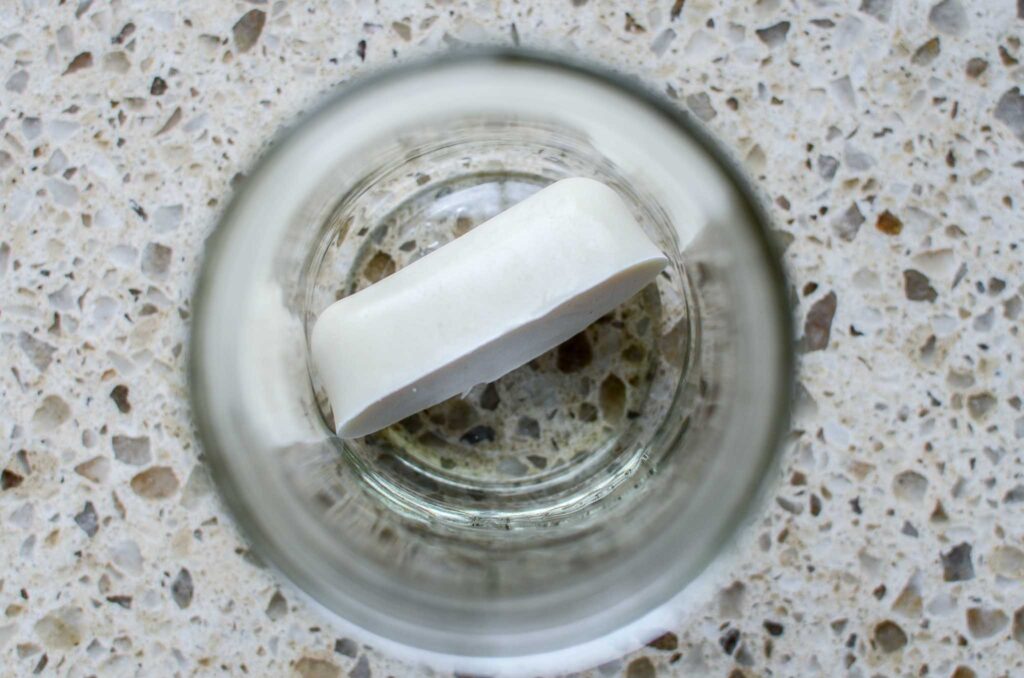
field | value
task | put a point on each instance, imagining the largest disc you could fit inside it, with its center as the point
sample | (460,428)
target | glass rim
(757,230)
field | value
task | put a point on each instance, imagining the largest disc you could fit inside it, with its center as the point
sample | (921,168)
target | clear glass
(548,519)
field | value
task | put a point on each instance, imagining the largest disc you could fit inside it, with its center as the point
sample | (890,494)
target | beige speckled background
(895,545)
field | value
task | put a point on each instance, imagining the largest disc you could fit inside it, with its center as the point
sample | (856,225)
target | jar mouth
(327,514)
(543,450)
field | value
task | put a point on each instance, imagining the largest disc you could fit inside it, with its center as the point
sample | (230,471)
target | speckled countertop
(889,136)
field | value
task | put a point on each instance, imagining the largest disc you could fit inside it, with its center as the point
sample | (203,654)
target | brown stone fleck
(612,398)
(1018,626)
(677,9)
(574,354)
(171,123)
(119,394)
(818,324)
(246,30)
(83,60)
(666,642)
(9,479)
(975,67)
(985,622)
(310,667)
(980,404)
(889,223)
(158,482)
(402,29)
(95,469)
(889,636)
(927,52)
(380,266)
(640,668)
(632,26)
(158,87)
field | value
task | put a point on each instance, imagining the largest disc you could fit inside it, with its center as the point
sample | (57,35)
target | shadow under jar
(554,513)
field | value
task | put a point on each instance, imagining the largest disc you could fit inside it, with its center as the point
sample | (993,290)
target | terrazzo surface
(888,137)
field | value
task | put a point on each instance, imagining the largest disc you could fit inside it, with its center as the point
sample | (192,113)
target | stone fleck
(848,224)
(917,287)
(182,589)
(311,667)
(574,353)
(246,30)
(640,668)
(927,52)
(774,35)
(489,398)
(818,323)
(890,636)
(957,564)
(158,482)
(39,352)
(131,450)
(985,622)
(1010,111)
(87,520)
(346,647)
(277,607)
(361,669)
(949,17)
(666,642)
(119,394)
(478,434)
(95,469)
(612,398)
(82,61)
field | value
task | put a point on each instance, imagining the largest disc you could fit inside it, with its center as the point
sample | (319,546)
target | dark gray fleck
(774,35)
(879,9)
(848,224)
(277,607)
(949,17)
(346,646)
(700,104)
(39,352)
(917,287)
(1010,111)
(361,669)
(957,564)
(827,166)
(528,427)
(87,520)
(181,589)
(478,434)
(489,399)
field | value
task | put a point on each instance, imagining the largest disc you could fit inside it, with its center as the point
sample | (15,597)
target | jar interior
(543,449)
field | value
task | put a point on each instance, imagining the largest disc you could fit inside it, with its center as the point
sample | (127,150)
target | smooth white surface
(504,293)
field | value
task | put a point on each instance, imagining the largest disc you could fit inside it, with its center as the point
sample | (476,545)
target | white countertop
(895,545)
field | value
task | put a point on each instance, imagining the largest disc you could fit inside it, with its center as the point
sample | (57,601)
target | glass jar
(551,520)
